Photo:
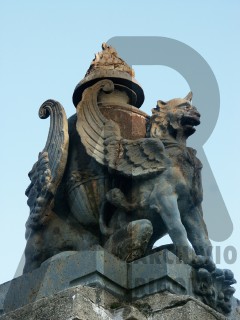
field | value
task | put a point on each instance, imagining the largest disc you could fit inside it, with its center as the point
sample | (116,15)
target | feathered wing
(102,139)
(47,172)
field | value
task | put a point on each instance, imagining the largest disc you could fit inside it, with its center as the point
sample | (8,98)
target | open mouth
(193,120)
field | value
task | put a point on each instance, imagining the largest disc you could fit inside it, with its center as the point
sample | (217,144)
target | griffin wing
(47,172)
(102,139)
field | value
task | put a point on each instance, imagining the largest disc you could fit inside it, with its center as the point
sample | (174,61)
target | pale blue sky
(46,48)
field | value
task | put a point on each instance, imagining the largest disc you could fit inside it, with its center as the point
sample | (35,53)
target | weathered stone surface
(170,306)
(93,268)
(161,271)
(189,310)
(155,273)
(125,115)
(113,177)
(81,303)
(3,293)
(108,65)
(74,303)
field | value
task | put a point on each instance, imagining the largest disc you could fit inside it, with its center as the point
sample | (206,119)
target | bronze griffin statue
(111,175)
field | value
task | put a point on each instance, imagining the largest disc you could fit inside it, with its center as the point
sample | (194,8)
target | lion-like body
(171,200)
(122,194)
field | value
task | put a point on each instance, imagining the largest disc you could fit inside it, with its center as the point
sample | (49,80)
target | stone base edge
(82,302)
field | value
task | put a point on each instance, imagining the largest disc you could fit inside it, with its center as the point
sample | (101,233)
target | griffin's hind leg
(130,242)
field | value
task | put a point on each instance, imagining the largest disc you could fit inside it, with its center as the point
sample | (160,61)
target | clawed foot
(203,262)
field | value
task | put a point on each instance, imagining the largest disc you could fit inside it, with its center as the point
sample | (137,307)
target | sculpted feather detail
(47,172)
(103,141)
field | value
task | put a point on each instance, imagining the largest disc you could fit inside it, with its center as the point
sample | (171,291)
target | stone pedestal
(97,285)
(81,302)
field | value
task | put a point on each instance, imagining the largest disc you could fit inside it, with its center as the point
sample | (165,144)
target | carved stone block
(159,272)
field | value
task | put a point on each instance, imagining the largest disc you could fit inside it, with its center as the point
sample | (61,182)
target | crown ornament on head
(108,65)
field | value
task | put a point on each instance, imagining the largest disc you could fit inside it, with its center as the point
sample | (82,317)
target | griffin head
(173,116)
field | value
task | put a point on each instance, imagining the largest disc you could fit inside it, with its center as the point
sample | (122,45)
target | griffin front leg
(165,204)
